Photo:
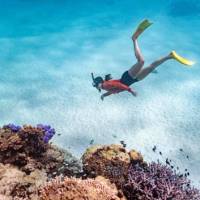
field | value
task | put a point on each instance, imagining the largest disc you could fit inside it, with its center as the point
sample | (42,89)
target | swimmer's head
(97,82)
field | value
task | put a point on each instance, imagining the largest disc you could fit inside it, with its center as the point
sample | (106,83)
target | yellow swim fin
(181,59)
(143,25)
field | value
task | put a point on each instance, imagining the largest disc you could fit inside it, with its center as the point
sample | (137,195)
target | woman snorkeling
(136,72)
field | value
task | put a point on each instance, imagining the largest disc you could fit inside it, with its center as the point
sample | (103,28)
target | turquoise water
(49,48)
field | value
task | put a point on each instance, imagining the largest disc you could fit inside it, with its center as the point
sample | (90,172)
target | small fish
(180,176)
(160,153)
(154,148)
(186,170)
(91,142)
(187,157)
(172,166)
(123,143)
(177,168)
(188,173)
(180,149)
(167,162)
(84,175)
(59,134)
(114,136)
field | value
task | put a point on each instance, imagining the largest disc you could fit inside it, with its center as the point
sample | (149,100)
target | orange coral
(78,189)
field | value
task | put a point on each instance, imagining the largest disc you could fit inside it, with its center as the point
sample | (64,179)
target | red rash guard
(115,86)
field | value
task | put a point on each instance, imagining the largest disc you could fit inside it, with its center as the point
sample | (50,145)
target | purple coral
(13,127)
(49,132)
(157,181)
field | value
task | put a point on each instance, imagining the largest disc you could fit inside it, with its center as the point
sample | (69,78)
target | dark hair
(108,77)
(97,80)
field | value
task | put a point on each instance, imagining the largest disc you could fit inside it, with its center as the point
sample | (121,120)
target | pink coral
(15,184)
(73,188)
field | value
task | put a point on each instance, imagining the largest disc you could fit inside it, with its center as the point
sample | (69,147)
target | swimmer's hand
(105,95)
(134,93)
(102,97)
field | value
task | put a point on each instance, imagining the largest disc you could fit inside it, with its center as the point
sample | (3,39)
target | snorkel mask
(96,81)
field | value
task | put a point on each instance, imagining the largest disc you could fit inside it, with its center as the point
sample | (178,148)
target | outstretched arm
(122,87)
(105,95)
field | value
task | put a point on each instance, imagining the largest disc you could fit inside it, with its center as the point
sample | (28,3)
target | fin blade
(144,25)
(182,60)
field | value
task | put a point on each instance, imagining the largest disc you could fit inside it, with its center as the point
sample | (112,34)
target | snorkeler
(136,72)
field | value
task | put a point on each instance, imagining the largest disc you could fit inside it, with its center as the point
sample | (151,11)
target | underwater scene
(50,48)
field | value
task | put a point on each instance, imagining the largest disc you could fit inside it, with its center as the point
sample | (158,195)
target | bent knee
(141,62)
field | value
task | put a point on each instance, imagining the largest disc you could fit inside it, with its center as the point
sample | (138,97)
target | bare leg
(146,71)
(140,60)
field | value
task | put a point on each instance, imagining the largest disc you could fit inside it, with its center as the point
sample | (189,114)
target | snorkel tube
(96,81)
(93,79)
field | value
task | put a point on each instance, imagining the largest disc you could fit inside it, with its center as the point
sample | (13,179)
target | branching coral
(157,181)
(78,189)
(111,162)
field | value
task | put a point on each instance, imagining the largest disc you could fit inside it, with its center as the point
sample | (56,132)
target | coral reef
(157,181)
(26,154)
(17,146)
(28,161)
(48,132)
(15,184)
(58,161)
(111,162)
(73,188)
(27,148)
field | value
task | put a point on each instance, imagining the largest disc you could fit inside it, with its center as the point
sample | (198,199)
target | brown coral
(111,162)
(136,157)
(78,189)
(27,150)
(16,147)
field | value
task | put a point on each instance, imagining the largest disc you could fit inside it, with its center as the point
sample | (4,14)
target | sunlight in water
(49,48)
